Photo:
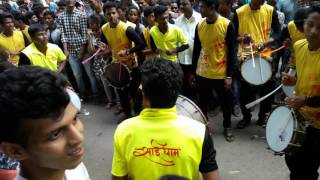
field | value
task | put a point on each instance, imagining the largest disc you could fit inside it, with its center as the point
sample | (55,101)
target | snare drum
(186,107)
(285,130)
(118,75)
(256,71)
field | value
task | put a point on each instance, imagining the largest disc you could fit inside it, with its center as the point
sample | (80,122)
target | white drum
(283,131)
(188,108)
(256,71)
(288,90)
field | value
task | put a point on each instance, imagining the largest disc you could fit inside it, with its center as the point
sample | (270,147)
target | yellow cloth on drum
(50,60)
(170,40)
(257,23)
(14,43)
(156,143)
(118,40)
(212,61)
(308,78)
(295,34)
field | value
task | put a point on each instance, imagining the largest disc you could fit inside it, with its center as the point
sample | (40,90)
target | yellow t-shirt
(50,60)
(212,61)
(146,35)
(118,40)
(257,23)
(156,143)
(26,33)
(14,43)
(295,34)
(308,78)
(172,39)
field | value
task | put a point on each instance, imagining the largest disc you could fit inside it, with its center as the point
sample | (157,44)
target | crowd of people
(136,57)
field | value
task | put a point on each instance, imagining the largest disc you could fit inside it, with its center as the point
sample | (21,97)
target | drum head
(186,107)
(117,74)
(280,128)
(258,74)
(288,90)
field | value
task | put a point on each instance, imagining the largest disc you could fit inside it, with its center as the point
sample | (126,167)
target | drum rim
(123,65)
(196,106)
(269,64)
(295,127)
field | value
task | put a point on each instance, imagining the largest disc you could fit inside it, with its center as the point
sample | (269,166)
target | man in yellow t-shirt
(120,38)
(214,59)
(11,40)
(305,163)
(158,141)
(253,24)
(40,52)
(166,39)
(292,33)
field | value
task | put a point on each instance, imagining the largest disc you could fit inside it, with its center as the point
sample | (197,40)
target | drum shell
(297,139)
(111,73)
(188,108)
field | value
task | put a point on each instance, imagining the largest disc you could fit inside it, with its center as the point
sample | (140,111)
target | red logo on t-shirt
(158,153)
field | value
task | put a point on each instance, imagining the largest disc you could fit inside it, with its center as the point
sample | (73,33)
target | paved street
(247,158)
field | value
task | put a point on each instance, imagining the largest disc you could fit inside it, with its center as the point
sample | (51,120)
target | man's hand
(123,53)
(295,102)
(102,46)
(171,51)
(288,80)
(228,83)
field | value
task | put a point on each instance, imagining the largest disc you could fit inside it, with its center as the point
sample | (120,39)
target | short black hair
(29,93)
(30,14)
(147,11)
(214,3)
(134,7)
(164,2)
(314,9)
(161,81)
(4,16)
(19,17)
(300,15)
(108,5)
(35,28)
(159,10)
(49,13)
(95,19)
(61,3)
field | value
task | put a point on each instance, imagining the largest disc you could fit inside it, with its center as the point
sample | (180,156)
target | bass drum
(186,107)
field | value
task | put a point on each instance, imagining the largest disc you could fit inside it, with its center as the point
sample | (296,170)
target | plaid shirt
(73,30)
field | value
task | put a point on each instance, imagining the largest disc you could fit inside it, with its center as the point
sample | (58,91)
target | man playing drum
(213,60)
(158,141)
(305,163)
(119,36)
(253,23)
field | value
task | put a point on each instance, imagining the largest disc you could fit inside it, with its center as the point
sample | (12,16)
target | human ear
(15,151)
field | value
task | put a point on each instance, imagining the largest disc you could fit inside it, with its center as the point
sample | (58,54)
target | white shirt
(188,27)
(78,173)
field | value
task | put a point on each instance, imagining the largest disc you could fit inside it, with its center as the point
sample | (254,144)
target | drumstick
(261,74)
(252,56)
(89,58)
(253,103)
